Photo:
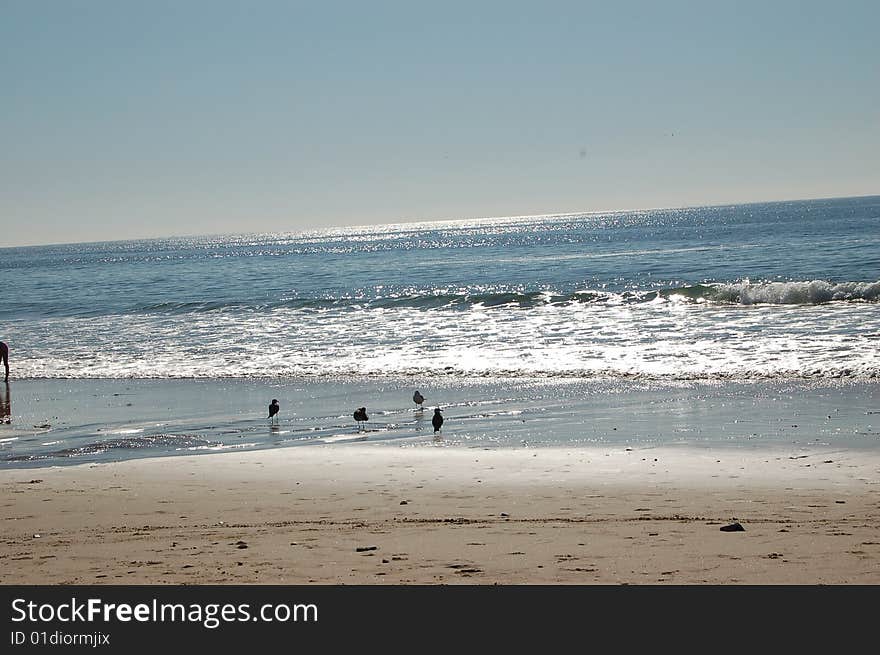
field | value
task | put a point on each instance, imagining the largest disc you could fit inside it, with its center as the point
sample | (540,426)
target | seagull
(418,398)
(437,420)
(360,415)
(273,409)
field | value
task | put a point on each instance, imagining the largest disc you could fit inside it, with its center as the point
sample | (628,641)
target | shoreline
(449,515)
(67,422)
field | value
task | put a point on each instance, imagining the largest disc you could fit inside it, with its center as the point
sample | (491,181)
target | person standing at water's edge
(274,408)
(5,405)
(437,420)
(4,355)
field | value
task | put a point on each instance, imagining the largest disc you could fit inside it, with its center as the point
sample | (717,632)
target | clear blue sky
(125,119)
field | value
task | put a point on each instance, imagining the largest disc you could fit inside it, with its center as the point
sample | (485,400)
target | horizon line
(414,222)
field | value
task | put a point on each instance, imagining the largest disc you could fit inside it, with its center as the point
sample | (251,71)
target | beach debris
(404,502)
(43,426)
(363,549)
(733,527)
(240,544)
(505,514)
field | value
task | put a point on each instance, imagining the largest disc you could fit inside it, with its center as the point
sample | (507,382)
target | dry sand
(361,514)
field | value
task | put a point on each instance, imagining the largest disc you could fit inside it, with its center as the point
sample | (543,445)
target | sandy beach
(379,514)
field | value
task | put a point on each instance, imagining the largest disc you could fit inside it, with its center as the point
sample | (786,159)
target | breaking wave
(796,293)
(813,292)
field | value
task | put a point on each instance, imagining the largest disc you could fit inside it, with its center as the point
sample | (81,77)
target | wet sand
(382,514)
(99,421)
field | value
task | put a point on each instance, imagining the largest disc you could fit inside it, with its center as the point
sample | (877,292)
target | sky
(122,119)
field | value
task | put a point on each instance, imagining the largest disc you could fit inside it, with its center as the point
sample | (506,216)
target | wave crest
(797,293)
(742,293)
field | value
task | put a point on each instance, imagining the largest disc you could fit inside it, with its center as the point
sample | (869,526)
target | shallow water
(76,421)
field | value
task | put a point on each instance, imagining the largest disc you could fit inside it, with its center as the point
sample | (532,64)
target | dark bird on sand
(360,415)
(437,420)
(273,408)
(418,398)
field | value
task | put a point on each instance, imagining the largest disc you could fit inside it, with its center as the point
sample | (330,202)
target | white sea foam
(658,339)
(797,293)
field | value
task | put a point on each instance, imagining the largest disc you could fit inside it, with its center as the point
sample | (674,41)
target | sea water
(654,299)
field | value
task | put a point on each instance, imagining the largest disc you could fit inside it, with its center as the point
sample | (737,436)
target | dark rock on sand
(733,527)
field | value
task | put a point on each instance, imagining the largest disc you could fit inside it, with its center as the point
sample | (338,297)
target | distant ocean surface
(756,291)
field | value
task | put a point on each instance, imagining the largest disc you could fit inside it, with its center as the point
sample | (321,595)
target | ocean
(607,303)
